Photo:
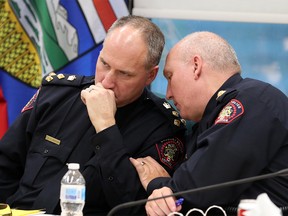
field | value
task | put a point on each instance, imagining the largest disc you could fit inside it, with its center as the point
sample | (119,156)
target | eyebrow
(102,60)
(127,72)
(124,71)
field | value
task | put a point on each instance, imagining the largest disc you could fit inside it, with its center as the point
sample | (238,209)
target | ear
(197,62)
(152,75)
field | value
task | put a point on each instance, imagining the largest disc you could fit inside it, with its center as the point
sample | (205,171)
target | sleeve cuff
(107,141)
(156,184)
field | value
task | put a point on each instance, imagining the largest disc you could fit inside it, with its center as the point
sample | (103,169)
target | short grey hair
(215,51)
(151,34)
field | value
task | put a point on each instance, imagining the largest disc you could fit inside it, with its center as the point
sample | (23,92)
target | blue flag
(40,37)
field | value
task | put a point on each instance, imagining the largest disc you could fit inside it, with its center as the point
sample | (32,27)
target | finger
(159,205)
(166,204)
(163,205)
(152,164)
(83,96)
(143,161)
(85,92)
(134,161)
(152,208)
(178,209)
(170,204)
(90,88)
(111,93)
(137,164)
(99,84)
(150,160)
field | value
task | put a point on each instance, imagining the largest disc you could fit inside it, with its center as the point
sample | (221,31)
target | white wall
(262,11)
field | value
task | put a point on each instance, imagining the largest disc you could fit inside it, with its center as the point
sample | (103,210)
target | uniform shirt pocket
(44,160)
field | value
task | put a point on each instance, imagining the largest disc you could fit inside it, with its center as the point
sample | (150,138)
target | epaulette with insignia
(168,110)
(221,94)
(232,108)
(67,79)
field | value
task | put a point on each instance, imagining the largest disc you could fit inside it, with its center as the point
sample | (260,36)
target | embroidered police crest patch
(230,112)
(170,151)
(31,102)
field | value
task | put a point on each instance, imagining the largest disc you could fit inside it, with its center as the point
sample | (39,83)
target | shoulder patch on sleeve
(170,151)
(31,102)
(231,111)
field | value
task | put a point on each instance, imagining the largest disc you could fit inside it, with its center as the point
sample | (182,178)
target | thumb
(83,97)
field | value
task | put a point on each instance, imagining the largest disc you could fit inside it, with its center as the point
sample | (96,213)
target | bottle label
(72,193)
(245,206)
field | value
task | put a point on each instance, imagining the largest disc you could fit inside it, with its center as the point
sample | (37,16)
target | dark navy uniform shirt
(54,129)
(243,133)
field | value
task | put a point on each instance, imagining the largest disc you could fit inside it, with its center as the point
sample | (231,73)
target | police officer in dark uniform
(240,131)
(97,122)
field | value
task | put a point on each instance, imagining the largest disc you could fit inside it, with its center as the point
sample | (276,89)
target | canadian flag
(3,114)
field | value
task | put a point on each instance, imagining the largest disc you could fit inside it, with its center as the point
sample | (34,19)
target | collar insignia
(49,78)
(183,121)
(71,78)
(175,113)
(60,76)
(167,105)
(220,93)
(52,74)
(177,122)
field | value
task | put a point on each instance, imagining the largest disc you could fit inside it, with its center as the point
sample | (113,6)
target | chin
(118,105)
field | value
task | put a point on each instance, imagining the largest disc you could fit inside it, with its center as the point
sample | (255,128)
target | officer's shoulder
(62,79)
(168,110)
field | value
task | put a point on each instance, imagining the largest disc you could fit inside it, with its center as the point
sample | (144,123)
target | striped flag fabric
(42,36)
(3,114)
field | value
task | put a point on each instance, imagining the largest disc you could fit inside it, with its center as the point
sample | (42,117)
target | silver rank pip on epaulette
(52,75)
(177,120)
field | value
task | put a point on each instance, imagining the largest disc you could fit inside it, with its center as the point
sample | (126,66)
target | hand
(101,106)
(161,206)
(148,169)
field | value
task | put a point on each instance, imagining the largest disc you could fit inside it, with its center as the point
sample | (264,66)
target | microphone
(282,172)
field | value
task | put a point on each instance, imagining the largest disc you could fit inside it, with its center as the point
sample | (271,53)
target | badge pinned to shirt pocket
(52,140)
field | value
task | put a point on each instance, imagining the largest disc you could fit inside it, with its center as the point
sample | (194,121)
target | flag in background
(3,114)
(39,37)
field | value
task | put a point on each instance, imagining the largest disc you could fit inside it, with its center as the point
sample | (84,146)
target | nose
(169,94)
(109,79)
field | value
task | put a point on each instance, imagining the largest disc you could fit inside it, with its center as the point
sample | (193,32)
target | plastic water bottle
(72,194)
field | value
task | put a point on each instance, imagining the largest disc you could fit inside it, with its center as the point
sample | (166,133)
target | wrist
(102,125)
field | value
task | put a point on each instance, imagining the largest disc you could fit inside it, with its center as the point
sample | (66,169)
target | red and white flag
(3,114)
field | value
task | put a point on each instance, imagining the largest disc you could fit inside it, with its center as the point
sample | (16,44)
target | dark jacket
(243,133)
(54,129)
